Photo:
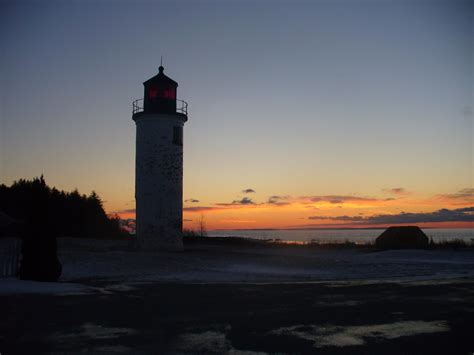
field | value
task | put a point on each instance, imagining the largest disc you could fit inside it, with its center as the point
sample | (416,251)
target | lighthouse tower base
(159,181)
(155,240)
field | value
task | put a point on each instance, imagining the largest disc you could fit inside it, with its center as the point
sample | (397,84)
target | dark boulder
(39,250)
(406,237)
(39,258)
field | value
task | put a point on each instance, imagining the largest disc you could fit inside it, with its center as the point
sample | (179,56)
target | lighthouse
(159,119)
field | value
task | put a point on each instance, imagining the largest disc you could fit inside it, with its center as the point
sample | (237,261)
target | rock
(40,258)
(406,237)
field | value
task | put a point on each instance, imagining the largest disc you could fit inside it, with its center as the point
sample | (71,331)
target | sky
(301,113)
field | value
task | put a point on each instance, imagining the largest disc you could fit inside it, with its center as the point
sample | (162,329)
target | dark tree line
(45,210)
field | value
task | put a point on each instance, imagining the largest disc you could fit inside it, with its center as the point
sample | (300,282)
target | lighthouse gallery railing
(181,106)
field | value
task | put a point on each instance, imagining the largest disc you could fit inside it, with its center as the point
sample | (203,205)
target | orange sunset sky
(301,113)
(392,206)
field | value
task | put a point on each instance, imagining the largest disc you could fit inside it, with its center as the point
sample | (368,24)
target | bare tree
(202,226)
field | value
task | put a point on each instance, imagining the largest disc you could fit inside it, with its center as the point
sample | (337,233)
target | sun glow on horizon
(331,211)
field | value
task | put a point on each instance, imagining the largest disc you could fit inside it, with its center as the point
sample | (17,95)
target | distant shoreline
(300,229)
(322,228)
(275,242)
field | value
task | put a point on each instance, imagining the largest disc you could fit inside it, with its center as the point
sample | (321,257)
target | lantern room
(160,94)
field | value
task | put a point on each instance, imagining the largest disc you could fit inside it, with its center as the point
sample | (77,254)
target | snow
(118,266)
(15,286)
(341,336)
(95,331)
(115,261)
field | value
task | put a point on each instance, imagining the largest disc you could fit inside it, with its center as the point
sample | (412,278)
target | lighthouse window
(153,93)
(162,93)
(178,135)
(168,93)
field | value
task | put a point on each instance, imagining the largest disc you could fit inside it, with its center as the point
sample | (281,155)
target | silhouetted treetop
(55,211)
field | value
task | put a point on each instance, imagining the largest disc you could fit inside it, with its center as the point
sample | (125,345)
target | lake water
(360,236)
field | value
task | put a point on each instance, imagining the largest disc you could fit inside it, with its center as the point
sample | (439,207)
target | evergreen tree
(60,213)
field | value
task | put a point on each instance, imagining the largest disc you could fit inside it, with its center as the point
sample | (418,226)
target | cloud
(278,200)
(338,218)
(336,199)
(201,209)
(248,191)
(466,194)
(400,191)
(442,215)
(243,201)
(285,200)
(192,200)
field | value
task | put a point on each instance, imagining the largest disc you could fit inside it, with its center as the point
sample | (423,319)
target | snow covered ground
(97,262)
(9,286)
(115,261)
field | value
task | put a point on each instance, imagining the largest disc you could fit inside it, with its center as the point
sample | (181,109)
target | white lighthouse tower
(159,118)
